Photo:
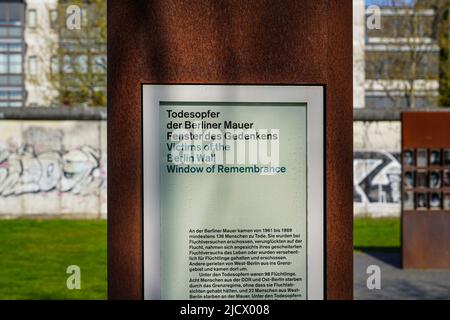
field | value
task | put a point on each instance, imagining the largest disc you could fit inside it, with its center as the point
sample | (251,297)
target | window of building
(10,63)
(32,66)
(84,17)
(3,63)
(12,16)
(32,18)
(82,63)
(10,80)
(15,32)
(15,95)
(14,47)
(10,32)
(99,65)
(15,63)
(54,65)
(67,64)
(11,97)
(3,13)
(53,15)
(15,14)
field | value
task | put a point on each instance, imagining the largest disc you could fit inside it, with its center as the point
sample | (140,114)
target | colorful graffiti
(77,171)
(81,172)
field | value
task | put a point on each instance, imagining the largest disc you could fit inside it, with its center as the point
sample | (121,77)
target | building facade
(41,41)
(359,31)
(401,58)
(12,53)
(43,62)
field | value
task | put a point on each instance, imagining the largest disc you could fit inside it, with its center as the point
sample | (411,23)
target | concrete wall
(58,168)
(53,168)
(377,168)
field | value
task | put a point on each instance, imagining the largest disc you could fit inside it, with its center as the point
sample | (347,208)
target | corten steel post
(226,42)
(426,233)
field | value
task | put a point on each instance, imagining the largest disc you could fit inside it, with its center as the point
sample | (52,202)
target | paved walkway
(397,283)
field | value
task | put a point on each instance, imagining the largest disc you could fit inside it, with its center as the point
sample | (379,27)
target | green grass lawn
(381,235)
(34,256)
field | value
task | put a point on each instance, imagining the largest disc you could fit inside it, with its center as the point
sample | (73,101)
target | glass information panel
(233,192)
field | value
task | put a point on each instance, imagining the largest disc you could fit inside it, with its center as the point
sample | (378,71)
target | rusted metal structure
(426,190)
(226,42)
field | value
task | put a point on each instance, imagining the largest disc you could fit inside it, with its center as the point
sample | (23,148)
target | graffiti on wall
(25,171)
(377,177)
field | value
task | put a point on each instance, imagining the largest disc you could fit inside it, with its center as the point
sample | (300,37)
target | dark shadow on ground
(377,249)
(389,255)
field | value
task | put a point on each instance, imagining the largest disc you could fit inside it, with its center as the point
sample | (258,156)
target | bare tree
(441,31)
(406,54)
(76,68)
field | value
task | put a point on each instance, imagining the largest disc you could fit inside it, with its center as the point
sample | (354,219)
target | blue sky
(380,2)
(370,2)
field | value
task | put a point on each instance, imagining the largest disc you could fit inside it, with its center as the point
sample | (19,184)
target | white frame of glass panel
(313,96)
